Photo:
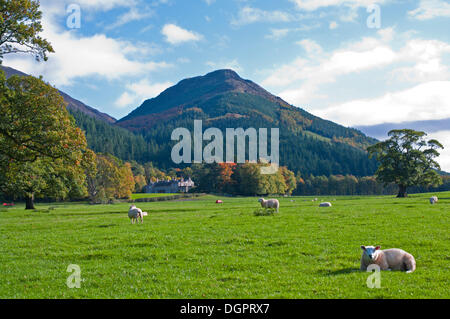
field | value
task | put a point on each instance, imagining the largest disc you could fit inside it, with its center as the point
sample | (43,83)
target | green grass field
(198,249)
(140,196)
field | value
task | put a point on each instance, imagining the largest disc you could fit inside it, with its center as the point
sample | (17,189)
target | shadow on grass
(107,226)
(343,271)
(125,213)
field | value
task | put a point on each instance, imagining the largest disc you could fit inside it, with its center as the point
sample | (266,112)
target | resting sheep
(433,200)
(270,203)
(388,259)
(325,205)
(135,214)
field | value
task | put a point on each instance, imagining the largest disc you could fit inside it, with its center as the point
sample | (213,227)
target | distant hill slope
(72,104)
(223,99)
(380,131)
(101,134)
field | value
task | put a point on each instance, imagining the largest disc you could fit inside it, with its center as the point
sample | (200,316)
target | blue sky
(321,55)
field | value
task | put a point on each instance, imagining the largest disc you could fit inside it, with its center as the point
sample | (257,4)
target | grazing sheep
(135,214)
(325,205)
(270,203)
(388,259)
(433,200)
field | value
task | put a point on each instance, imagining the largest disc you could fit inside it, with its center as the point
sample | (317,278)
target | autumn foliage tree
(39,140)
(34,121)
(110,179)
(242,179)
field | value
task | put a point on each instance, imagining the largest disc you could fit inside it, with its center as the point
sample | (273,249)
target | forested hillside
(223,100)
(103,137)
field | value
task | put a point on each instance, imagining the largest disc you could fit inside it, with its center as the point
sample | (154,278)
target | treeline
(246,179)
(351,185)
(242,179)
(301,150)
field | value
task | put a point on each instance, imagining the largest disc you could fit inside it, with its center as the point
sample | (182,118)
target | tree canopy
(34,121)
(20,25)
(407,159)
(41,149)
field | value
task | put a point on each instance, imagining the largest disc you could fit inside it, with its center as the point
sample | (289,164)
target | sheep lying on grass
(270,203)
(136,214)
(433,200)
(388,259)
(325,205)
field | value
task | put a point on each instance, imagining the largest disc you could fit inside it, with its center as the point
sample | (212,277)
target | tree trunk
(402,191)
(29,200)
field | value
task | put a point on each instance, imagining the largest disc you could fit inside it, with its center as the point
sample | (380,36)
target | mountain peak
(195,91)
(225,73)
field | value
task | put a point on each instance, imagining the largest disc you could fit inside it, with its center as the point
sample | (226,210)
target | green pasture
(199,249)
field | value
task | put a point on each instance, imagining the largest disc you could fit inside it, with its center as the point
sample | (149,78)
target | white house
(169,187)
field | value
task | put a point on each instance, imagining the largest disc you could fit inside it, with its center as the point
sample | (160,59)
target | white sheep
(135,214)
(325,205)
(270,203)
(388,259)
(433,200)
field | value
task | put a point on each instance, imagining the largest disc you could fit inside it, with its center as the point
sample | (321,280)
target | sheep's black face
(370,251)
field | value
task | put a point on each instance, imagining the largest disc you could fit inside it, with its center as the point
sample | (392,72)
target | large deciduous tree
(41,149)
(108,178)
(407,159)
(58,179)
(34,121)
(20,25)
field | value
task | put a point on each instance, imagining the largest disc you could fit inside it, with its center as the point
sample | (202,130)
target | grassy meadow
(199,249)
(140,196)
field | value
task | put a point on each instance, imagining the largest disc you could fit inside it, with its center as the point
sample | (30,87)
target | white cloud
(300,81)
(311,5)
(104,5)
(126,99)
(134,14)
(444,158)
(429,9)
(248,15)
(139,91)
(81,56)
(177,35)
(318,68)
(427,101)
(333,25)
(311,47)
(425,57)
(59,6)
(277,34)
